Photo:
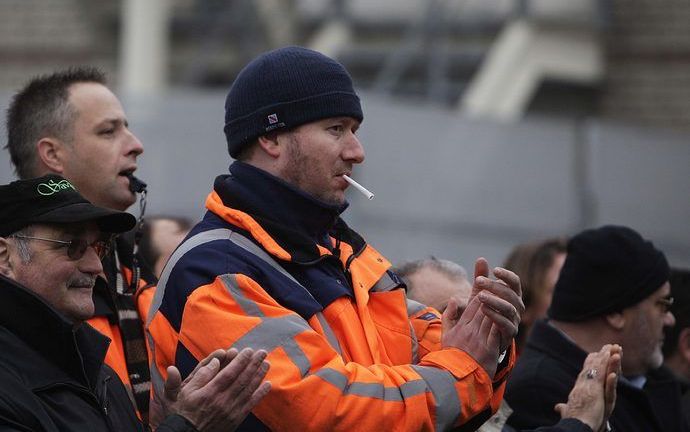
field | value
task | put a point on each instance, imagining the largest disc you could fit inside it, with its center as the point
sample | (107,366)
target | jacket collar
(550,340)
(297,221)
(79,351)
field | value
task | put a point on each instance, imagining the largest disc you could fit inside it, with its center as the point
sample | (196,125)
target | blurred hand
(218,394)
(593,396)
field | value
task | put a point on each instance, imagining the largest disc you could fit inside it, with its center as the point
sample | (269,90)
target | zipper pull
(104,402)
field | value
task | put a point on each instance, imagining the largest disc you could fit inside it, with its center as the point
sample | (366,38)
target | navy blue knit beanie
(606,270)
(285,88)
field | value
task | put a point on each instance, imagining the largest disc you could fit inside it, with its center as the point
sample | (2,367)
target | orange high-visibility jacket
(348,350)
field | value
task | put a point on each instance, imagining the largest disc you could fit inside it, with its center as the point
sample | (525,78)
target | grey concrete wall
(447,186)
(459,188)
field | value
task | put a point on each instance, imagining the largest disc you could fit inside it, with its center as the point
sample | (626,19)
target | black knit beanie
(285,88)
(606,270)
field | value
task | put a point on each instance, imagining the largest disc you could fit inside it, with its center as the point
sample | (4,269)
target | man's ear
(270,144)
(5,263)
(51,154)
(616,320)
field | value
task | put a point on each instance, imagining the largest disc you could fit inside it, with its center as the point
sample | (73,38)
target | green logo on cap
(52,187)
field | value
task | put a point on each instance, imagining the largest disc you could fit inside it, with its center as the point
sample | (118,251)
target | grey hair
(446,267)
(23,248)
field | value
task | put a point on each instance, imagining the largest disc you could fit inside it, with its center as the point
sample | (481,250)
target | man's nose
(354,151)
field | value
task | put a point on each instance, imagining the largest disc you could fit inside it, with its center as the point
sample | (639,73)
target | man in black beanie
(613,288)
(273,266)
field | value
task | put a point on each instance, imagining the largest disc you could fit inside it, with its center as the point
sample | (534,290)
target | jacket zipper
(101,405)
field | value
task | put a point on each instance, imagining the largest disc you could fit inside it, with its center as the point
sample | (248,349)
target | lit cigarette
(359,187)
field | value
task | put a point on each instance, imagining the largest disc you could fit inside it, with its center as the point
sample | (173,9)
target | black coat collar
(78,351)
(544,337)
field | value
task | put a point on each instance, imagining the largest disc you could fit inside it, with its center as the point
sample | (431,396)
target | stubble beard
(297,169)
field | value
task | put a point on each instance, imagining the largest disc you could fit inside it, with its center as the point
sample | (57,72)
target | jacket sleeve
(426,324)
(312,385)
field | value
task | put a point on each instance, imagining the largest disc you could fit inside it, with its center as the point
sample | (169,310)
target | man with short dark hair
(273,265)
(69,123)
(52,375)
(613,288)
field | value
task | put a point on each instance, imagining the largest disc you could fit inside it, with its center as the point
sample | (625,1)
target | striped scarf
(131,332)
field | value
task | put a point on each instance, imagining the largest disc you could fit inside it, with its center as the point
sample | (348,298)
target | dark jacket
(546,372)
(665,372)
(52,376)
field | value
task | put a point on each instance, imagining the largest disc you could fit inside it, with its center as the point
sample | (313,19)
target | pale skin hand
(218,394)
(161,405)
(501,299)
(471,331)
(490,321)
(592,399)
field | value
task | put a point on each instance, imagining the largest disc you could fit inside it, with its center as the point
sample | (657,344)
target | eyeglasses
(665,304)
(76,248)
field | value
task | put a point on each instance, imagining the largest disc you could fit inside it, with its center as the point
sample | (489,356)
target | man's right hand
(593,396)
(220,392)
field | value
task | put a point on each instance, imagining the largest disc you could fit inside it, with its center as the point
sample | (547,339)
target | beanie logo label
(273,123)
(52,187)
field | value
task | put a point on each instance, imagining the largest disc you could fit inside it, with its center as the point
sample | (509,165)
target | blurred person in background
(52,375)
(538,265)
(613,288)
(433,281)
(677,338)
(160,236)
(273,265)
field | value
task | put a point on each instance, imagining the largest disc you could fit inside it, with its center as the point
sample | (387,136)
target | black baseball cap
(53,199)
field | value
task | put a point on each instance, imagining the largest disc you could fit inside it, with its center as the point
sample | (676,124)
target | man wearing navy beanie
(273,266)
(308,87)
(613,288)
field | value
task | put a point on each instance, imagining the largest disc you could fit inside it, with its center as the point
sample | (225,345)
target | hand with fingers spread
(501,299)
(593,397)
(162,405)
(219,393)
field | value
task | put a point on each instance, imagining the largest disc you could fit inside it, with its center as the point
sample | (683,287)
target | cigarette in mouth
(359,187)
